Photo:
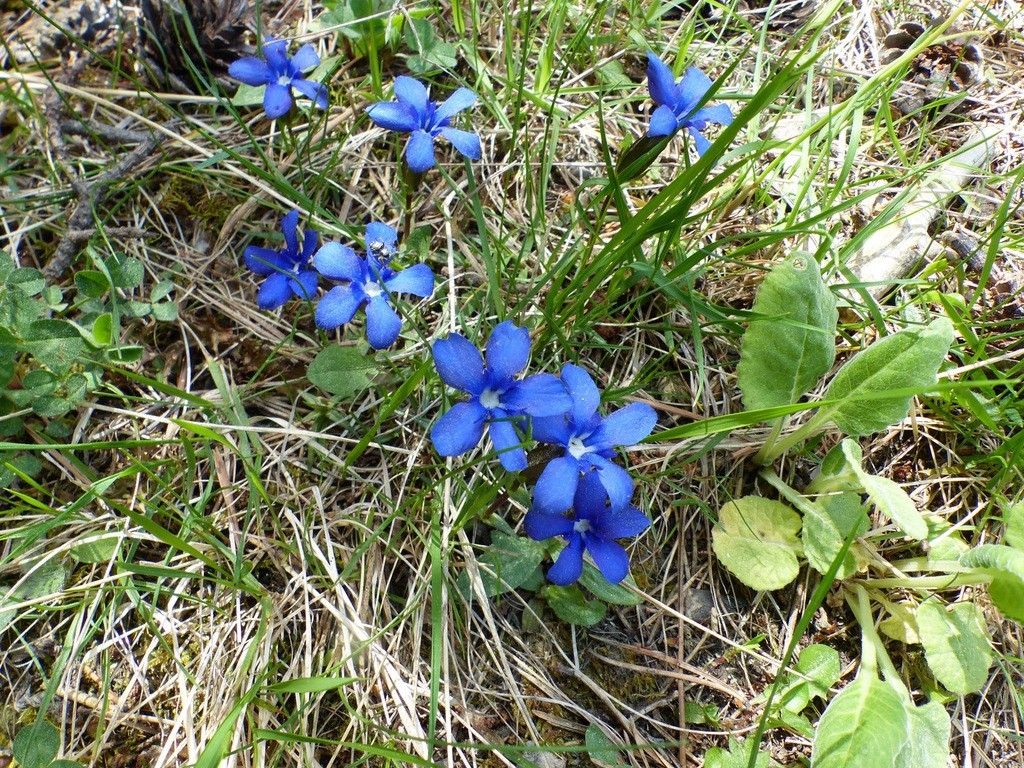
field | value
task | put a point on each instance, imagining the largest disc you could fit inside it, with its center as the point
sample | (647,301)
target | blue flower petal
(339,262)
(264,261)
(591,500)
(393,116)
(551,429)
(417,280)
(304,284)
(611,559)
(339,305)
(720,114)
(419,152)
(382,323)
(251,71)
(290,225)
(663,122)
(661,83)
(627,426)
(616,483)
(540,527)
(583,391)
(507,351)
(275,291)
(382,233)
(702,144)
(459,430)
(459,364)
(309,243)
(458,101)
(569,565)
(691,89)
(315,91)
(623,524)
(507,442)
(413,94)
(276,53)
(556,486)
(467,143)
(539,395)
(277,100)
(305,58)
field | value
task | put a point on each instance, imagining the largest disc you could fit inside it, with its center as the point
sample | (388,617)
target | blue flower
(415,113)
(593,526)
(498,400)
(289,272)
(677,103)
(589,443)
(370,282)
(280,74)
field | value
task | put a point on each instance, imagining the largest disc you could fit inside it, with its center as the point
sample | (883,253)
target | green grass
(215,562)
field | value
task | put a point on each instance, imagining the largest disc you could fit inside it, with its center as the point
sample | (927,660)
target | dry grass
(306,558)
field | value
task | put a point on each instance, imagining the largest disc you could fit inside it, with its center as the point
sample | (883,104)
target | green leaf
(36,745)
(161,290)
(311,684)
(56,344)
(791,342)
(864,726)
(828,520)
(955,645)
(27,280)
(601,749)
(165,311)
(248,95)
(506,565)
(602,589)
(570,605)
(756,539)
(901,624)
(24,463)
(928,742)
(1013,519)
(125,272)
(51,406)
(906,360)
(891,500)
(341,371)
(103,329)
(66,764)
(91,283)
(1006,567)
(44,580)
(815,673)
(98,550)
(738,755)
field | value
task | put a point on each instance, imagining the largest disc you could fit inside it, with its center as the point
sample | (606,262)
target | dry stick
(890,253)
(88,191)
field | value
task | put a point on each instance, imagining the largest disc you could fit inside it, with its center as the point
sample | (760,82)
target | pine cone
(937,72)
(220,28)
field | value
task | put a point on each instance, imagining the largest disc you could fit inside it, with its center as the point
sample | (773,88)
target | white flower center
(490,399)
(577,448)
(581,526)
(373,289)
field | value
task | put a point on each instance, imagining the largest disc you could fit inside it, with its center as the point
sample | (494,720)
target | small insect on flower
(288,271)
(280,74)
(677,103)
(591,525)
(497,400)
(370,282)
(415,113)
(589,441)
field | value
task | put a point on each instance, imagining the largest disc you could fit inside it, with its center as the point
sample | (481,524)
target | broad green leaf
(28,280)
(955,645)
(819,664)
(505,566)
(906,360)
(341,371)
(91,283)
(602,589)
(65,764)
(98,550)
(311,684)
(1006,565)
(165,311)
(125,272)
(864,726)
(44,580)
(1013,519)
(36,745)
(738,755)
(929,732)
(790,343)
(248,95)
(891,500)
(56,344)
(828,520)
(25,463)
(901,623)
(757,540)
(570,605)
(51,407)
(700,714)
(102,329)
(600,748)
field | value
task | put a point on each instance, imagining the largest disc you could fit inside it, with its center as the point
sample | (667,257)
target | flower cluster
(582,496)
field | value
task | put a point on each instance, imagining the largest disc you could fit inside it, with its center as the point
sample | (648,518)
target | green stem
(800,435)
(760,456)
(929,583)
